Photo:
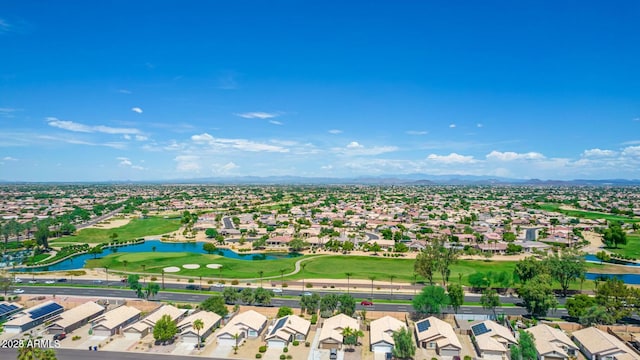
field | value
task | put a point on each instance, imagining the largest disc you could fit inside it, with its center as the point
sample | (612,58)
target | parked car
(193,287)
(277,290)
(18,291)
(33,281)
(49,282)
(306,293)
(366,303)
(62,280)
(59,336)
(333,354)
(218,285)
(17,280)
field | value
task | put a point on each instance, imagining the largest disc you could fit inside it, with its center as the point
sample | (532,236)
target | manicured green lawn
(136,228)
(632,249)
(586,214)
(231,268)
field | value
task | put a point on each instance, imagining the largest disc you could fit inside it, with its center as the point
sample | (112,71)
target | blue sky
(152,90)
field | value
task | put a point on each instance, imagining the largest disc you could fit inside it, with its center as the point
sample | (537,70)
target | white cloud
(8,112)
(115,145)
(187,163)
(632,151)
(452,158)
(141,138)
(124,91)
(354,148)
(452,126)
(136,110)
(354,145)
(257,115)
(510,156)
(126,136)
(326,167)
(275,122)
(479,125)
(238,144)
(417,132)
(599,153)
(77,127)
(9,158)
(124,161)
(335,131)
(226,168)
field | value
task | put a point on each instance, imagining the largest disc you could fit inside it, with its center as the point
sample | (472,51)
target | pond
(78,261)
(631,279)
(593,258)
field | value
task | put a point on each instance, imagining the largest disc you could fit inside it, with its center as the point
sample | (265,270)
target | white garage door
(105,333)
(277,344)
(132,336)
(227,342)
(381,348)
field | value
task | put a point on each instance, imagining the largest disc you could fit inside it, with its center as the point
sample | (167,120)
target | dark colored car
(62,280)
(59,336)
(366,303)
(193,287)
(333,354)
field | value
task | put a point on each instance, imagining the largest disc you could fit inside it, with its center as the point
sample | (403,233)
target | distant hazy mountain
(403,179)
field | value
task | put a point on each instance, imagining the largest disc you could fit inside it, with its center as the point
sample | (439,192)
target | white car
(18,280)
(218,285)
(33,282)
(306,293)
(49,282)
(277,291)
(18,291)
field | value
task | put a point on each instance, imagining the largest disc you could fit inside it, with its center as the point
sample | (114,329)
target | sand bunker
(214,266)
(171,269)
(191,266)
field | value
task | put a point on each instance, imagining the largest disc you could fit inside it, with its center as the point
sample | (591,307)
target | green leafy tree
(614,235)
(96,250)
(456,296)
(490,300)
(297,244)
(310,303)
(528,268)
(31,352)
(151,290)
(284,311)
(578,305)
(165,329)
(263,296)
(596,315)
(426,264)
(215,304)
(230,295)
(565,268)
(403,344)
(211,233)
(347,304)
(210,248)
(525,349)
(431,300)
(537,295)
(616,297)
(5,284)
(247,296)
(42,235)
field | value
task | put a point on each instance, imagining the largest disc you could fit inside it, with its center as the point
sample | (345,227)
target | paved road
(71,354)
(276,302)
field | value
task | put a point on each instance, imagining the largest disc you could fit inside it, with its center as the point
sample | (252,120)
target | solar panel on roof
(4,308)
(45,310)
(479,329)
(279,324)
(423,325)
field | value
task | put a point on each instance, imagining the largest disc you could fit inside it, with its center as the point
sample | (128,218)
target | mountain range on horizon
(401,179)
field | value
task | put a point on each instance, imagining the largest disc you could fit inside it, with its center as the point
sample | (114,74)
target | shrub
(191,281)
(75,337)
(314,319)
(309,285)
(235,282)
(153,278)
(285,285)
(262,348)
(283,356)
(307,344)
(258,356)
(209,282)
(467,357)
(286,349)
(296,343)
(289,357)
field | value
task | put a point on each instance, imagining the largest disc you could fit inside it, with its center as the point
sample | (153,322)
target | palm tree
(261,273)
(391,278)
(346,332)
(372,277)
(197,326)
(303,265)
(357,333)
(282,271)
(236,337)
(349,275)
(106,271)
(125,263)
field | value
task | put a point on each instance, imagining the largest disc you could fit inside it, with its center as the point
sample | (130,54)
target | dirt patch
(111,224)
